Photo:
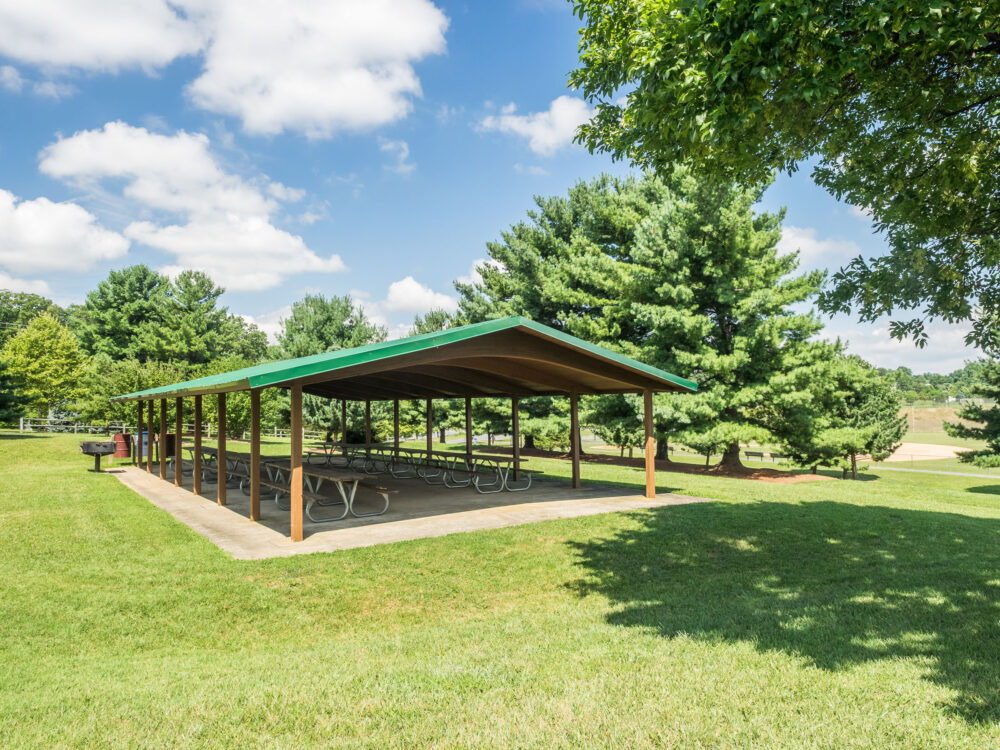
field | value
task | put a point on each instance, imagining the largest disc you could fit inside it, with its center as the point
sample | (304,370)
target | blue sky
(370,148)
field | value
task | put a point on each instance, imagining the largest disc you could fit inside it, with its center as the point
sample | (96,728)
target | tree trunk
(630,451)
(731,456)
(854,466)
(529,442)
(662,450)
(443,436)
(621,451)
(708,457)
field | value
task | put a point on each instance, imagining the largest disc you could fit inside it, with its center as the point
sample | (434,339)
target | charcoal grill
(97,448)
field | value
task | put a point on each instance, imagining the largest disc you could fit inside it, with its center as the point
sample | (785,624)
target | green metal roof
(286,372)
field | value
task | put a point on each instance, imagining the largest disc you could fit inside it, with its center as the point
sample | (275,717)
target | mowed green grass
(828,614)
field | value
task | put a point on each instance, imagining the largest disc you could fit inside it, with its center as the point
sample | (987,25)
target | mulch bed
(732,472)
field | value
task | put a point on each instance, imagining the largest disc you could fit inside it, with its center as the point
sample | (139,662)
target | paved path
(417,512)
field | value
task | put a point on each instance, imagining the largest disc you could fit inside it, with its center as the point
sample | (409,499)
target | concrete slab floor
(417,511)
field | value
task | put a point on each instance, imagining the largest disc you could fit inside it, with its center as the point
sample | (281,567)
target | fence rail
(38,424)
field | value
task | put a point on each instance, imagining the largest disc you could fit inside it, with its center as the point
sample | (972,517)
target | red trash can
(123,445)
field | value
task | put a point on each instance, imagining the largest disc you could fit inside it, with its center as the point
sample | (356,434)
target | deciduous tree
(896,104)
(46,361)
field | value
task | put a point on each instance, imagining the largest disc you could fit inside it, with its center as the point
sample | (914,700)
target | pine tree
(854,411)
(681,274)
(988,417)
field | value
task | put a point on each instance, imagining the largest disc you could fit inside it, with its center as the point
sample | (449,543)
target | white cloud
(10,78)
(547,132)
(225,226)
(946,350)
(473,276)
(97,35)
(271,323)
(401,150)
(53,89)
(409,295)
(241,253)
(531,169)
(813,252)
(34,286)
(446,113)
(861,212)
(285,193)
(314,66)
(39,235)
(404,299)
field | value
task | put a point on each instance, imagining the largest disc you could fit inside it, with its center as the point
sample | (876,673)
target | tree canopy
(897,106)
(17,309)
(677,272)
(986,413)
(46,361)
(138,313)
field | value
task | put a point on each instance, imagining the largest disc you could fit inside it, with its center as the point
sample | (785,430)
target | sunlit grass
(833,614)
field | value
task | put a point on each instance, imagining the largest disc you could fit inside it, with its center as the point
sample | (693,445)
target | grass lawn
(828,614)
(942,438)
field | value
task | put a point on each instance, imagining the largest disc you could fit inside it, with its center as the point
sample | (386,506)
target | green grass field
(829,614)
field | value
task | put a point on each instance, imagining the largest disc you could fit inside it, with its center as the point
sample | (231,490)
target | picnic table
(279,474)
(487,473)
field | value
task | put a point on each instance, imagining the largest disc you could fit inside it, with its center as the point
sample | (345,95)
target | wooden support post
(395,428)
(196,469)
(162,450)
(343,425)
(138,438)
(647,420)
(296,463)
(255,455)
(178,430)
(574,437)
(368,428)
(149,440)
(468,425)
(430,430)
(515,437)
(220,437)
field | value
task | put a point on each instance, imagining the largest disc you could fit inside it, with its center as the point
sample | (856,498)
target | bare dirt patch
(924,452)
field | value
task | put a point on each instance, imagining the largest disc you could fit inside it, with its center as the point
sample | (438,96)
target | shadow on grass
(19,435)
(836,584)
(985,489)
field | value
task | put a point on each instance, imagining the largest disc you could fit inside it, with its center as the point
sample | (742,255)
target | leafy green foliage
(616,419)
(104,377)
(855,412)
(12,404)
(431,321)
(987,415)
(46,361)
(677,272)
(124,317)
(897,104)
(17,309)
(319,324)
(137,313)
